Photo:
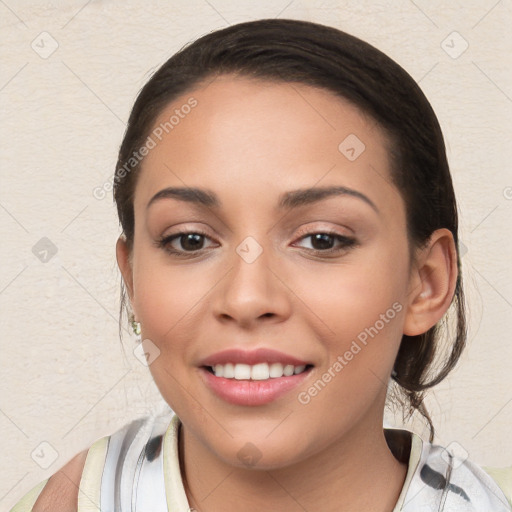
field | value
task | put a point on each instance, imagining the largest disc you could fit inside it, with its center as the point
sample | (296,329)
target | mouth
(256,372)
(253,385)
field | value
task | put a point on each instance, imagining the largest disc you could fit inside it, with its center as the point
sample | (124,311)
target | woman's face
(321,278)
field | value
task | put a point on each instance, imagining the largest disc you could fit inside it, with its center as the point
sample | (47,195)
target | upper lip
(251,357)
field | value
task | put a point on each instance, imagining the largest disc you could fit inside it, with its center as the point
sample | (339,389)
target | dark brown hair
(284,50)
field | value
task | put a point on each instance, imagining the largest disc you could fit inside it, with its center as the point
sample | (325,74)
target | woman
(289,248)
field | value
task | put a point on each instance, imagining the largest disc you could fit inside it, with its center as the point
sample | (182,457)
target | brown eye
(183,243)
(325,242)
(322,241)
(191,241)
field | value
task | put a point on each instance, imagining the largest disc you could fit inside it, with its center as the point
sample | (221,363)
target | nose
(254,290)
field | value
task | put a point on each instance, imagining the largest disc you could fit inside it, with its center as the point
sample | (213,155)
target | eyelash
(345,243)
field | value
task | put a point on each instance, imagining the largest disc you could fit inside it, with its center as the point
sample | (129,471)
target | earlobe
(432,283)
(125,266)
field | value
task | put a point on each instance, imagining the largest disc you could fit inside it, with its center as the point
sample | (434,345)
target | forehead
(244,137)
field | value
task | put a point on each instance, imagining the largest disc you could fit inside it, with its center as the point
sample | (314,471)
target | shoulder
(503,477)
(445,479)
(457,483)
(60,491)
(97,471)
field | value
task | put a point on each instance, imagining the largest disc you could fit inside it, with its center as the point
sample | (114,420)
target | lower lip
(251,392)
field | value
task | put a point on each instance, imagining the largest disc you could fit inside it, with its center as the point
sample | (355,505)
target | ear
(124,262)
(432,283)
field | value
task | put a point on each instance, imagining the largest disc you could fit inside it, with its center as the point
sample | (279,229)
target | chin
(255,452)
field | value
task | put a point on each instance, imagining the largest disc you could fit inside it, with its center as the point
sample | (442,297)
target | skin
(250,141)
(61,491)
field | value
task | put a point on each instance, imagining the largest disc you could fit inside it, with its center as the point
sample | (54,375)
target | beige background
(65,378)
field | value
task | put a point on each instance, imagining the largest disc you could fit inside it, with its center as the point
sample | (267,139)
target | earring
(135,325)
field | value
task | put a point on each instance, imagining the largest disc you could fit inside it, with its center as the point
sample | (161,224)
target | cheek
(353,296)
(167,301)
(361,305)
(168,296)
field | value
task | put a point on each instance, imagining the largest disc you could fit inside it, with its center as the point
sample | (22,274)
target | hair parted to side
(285,50)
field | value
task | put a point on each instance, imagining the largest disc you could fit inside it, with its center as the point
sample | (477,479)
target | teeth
(260,371)
(229,371)
(288,370)
(276,370)
(242,371)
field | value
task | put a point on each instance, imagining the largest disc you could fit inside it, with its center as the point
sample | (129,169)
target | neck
(335,479)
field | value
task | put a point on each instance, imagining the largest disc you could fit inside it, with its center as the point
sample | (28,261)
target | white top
(137,469)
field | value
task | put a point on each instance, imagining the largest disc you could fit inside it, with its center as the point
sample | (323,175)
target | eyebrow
(288,200)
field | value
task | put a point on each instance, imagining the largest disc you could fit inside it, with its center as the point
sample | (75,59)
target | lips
(242,388)
(261,355)
(251,392)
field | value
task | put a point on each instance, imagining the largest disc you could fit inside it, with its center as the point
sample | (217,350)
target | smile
(261,371)
(244,390)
